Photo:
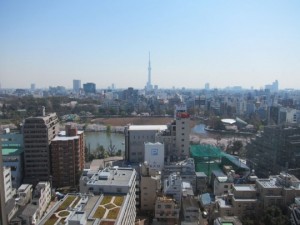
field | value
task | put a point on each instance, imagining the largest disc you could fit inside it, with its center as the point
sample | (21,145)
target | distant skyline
(223,43)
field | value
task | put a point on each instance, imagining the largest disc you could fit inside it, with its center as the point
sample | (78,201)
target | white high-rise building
(76,85)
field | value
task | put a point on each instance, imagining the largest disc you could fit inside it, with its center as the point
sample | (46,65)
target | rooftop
(244,188)
(268,183)
(112,177)
(147,127)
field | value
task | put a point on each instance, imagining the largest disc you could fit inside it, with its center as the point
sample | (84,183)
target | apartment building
(186,170)
(150,187)
(8,189)
(190,209)
(41,197)
(166,210)
(68,157)
(173,187)
(38,134)
(247,199)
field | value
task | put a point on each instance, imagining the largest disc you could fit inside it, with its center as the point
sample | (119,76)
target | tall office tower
(89,88)
(38,133)
(32,87)
(149,85)
(275,86)
(76,85)
(207,86)
(67,151)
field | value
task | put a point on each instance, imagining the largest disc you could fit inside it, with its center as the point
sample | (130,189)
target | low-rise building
(41,198)
(190,209)
(24,194)
(173,187)
(167,210)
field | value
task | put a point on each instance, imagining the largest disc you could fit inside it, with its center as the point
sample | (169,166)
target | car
(204,214)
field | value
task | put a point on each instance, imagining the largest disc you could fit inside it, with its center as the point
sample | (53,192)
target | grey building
(135,138)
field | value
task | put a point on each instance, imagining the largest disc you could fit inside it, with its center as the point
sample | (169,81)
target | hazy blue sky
(225,43)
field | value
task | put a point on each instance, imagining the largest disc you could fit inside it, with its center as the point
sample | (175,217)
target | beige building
(167,210)
(245,199)
(150,186)
(38,134)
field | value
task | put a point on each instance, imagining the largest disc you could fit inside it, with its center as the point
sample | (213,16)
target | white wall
(154,155)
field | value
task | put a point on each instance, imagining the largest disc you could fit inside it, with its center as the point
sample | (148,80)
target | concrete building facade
(150,187)
(135,138)
(38,134)
(154,156)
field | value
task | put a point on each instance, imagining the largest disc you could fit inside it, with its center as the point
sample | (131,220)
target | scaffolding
(208,158)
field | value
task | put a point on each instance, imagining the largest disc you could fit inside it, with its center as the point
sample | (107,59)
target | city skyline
(232,43)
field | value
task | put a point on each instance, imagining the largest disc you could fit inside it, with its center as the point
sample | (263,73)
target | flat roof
(112,177)
(64,138)
(148,127)
(267,183)
(228,121)
(244,188)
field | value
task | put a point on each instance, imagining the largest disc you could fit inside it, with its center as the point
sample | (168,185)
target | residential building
(173,187)
(135,138)
(68,157)
(166,210)
(186,170)
(249,199)
(7,184)
(279,190)
(41,198)
(190,209)
(38,134)
(150,187)
(201,182)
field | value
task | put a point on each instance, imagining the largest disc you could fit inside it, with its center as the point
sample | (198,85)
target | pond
(95,139)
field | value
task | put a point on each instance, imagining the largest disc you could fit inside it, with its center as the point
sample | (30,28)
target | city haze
(224,43)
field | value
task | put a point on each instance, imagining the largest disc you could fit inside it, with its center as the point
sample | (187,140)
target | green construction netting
(208,158)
